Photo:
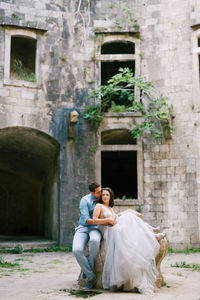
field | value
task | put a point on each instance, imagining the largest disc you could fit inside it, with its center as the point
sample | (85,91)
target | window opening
(119,171)
(199,67)
(117,137)
(198,42)
(109,69)
(118,47)
(22,60)
(116,55)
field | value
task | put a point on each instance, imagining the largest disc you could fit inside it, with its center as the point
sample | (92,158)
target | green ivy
(119,95)
(21,73)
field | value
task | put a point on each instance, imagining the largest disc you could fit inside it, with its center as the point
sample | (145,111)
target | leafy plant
(127,20)
(85,71)
(119,95)
(117,108)
(94,114)
(187,251)
(82,293)
(138,209)
(22,73)
(183,264)
(18,249)
(93,148)
(63,57)
(14,15)
(6,264)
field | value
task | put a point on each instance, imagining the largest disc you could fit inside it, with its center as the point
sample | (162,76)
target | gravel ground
(51,275)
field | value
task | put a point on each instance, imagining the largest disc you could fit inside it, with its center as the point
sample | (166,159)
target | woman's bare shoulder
(99,205)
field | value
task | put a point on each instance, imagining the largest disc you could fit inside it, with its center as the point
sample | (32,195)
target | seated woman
(131,248)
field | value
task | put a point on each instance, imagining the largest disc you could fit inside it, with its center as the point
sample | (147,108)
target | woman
(131,248)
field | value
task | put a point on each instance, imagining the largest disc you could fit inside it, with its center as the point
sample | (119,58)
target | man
(88,230)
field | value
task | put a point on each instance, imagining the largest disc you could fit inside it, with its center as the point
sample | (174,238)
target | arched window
(196,67)
(21,65)
(119,163)
(22,58)
(115,55)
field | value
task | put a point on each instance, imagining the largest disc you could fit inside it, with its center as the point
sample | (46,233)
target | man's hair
(93,186)
(111,202)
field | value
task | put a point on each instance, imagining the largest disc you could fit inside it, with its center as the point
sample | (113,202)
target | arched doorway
(28,179)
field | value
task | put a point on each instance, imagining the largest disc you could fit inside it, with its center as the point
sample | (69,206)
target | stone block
(4,92)
(28,94)
(98,269)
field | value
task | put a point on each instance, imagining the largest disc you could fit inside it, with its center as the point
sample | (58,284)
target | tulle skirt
(131,248)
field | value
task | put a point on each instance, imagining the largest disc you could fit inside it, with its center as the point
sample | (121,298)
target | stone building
(53,53)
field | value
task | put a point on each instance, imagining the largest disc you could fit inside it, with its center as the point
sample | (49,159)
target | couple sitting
(131,244)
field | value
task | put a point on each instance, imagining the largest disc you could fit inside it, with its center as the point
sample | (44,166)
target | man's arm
(96,220)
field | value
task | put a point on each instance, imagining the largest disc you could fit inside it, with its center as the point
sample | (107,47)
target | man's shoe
(91,283)
(160,236)
(83,276)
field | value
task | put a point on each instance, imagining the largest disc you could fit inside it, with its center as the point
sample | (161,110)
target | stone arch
(28,183)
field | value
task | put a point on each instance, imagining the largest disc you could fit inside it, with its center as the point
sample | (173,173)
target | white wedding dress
(131,248)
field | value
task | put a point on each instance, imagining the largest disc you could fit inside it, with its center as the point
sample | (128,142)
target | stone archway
(28,183)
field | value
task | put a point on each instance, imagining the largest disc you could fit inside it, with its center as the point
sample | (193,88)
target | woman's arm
(97,220)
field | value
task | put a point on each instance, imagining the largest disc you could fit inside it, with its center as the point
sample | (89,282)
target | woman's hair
(111,202)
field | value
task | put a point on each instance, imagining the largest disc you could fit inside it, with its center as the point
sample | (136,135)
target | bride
(131,248)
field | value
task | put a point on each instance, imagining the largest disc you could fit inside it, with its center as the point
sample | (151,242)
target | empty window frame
(119,52)
(119,164)
(196,67)
(119,171)
(21,57)
(115,55)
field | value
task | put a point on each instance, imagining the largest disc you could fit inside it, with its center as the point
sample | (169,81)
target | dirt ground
(51,275)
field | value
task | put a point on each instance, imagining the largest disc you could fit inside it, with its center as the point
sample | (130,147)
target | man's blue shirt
(87,205)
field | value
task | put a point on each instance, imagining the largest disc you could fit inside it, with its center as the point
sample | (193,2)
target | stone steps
(25,242)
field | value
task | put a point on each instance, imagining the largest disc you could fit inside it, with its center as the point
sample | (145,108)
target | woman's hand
(111,221)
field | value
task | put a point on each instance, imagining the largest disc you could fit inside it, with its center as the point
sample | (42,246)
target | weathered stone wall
(67,70)
(171,169)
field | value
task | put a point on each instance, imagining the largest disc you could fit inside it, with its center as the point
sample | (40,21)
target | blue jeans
(83,234)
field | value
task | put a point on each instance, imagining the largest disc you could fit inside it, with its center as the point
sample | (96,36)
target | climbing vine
(119,96)
(84,19)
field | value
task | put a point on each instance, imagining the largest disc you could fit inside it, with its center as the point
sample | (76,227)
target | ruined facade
(52,55)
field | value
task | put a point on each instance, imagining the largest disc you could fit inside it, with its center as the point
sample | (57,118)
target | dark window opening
(198,42)
(23,55)
(118,47)
(119,171)
(117,137)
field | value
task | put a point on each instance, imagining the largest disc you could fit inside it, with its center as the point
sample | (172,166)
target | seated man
(87,230)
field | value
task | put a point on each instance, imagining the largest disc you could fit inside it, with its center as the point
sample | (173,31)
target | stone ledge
(24,25)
